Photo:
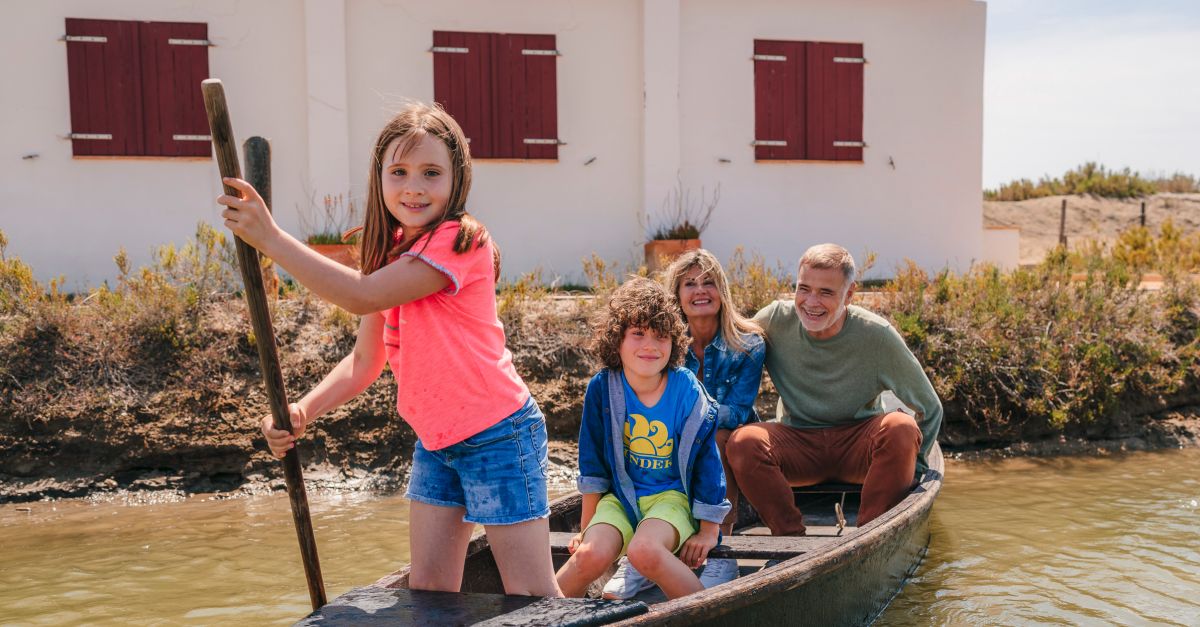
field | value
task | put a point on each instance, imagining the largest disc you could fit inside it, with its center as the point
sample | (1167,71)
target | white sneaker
(719,571)
(626,582)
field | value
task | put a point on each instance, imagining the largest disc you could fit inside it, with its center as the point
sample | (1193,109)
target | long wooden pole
(268,357)
(256,154)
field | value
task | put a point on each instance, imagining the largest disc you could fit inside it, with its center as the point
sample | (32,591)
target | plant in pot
(328,227)
(677,226)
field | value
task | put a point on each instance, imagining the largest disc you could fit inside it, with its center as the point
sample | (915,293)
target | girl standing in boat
(648,462)
(426,294)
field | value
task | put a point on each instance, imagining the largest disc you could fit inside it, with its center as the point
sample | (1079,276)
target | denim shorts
(498,474)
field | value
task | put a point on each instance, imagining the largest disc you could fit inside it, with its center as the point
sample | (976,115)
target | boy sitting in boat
(648,462)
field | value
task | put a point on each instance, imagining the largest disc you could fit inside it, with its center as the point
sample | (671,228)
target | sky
(1069,81)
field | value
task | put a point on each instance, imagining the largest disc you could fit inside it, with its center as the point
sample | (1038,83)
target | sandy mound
(1088,217)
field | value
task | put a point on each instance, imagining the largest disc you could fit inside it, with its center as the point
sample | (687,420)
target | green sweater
(827,383)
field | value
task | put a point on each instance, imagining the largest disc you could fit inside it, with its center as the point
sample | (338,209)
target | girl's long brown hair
(417,121)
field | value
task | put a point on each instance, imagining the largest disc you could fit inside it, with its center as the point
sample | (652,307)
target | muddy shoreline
(1167,430)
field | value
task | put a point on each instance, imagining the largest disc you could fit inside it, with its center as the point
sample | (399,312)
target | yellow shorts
(671,506)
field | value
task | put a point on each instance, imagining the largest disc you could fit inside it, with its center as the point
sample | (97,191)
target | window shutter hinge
(849,60)
(540,53)
(450,49)
(768,142)
(846,144)
(189,42)
(92,39)
(544,142)
(100,136)
(769,57)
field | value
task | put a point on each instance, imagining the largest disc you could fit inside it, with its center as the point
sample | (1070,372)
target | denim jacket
(732,377)
(602,450)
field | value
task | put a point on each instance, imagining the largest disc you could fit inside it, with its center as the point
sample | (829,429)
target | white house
(858,122)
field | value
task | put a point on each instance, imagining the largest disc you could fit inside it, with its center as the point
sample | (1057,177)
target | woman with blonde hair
(726,355)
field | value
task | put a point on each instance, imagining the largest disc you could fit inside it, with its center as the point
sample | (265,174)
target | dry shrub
(1036,348)
(513,298)
(158,307)
(752,284)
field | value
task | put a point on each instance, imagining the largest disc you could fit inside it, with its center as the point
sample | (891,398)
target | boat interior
(482,601)
(752,544)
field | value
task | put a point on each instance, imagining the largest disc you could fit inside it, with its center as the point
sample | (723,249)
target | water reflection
(1064,540)
(197,560)
(1067,540)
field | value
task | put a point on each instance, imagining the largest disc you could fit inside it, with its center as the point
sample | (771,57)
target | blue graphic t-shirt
(651,434)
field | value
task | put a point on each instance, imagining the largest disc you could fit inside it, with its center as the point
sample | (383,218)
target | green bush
(1089,178)
(1069,341)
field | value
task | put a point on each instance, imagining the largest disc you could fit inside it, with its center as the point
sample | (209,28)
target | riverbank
(190,426)
(154,385)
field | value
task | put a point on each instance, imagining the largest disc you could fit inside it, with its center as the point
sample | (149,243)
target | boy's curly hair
(639,302)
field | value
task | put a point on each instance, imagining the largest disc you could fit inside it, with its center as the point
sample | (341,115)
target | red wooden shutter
(505,72)
(104,81)
(174,62)
(834,89)
(779,104)
(535,105)
(462,84)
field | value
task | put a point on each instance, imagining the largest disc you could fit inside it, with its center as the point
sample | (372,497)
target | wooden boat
(830,577)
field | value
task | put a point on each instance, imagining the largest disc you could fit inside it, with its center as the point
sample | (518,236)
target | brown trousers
(768,458)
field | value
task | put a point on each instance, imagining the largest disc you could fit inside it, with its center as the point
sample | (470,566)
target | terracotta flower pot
(661,252)
(345,254)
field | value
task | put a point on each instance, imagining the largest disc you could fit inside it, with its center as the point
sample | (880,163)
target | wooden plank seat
(372,605)
(736,547)
(829,488)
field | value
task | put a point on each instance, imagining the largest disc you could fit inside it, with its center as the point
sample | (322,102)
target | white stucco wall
(922,108)
(639,96)
(69,216)
(544,214)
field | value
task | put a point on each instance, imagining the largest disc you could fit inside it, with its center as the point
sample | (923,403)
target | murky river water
(1068,540)
(1072,540)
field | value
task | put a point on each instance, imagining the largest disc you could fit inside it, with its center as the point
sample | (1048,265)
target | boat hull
(847,582)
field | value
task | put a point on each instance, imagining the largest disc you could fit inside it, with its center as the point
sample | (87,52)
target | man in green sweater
(830,362)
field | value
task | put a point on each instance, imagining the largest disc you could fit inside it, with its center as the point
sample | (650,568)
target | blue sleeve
(708,477)
(594,475)
(737,408)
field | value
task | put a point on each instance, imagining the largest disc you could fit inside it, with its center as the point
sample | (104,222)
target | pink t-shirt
(454,375)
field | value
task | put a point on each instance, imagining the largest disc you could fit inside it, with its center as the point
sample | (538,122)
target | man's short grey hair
(829,257)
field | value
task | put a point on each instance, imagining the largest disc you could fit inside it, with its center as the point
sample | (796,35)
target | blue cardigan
(602,448)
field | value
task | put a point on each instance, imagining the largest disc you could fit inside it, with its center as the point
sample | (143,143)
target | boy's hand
(279,440)
(695,549)
(574,543)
